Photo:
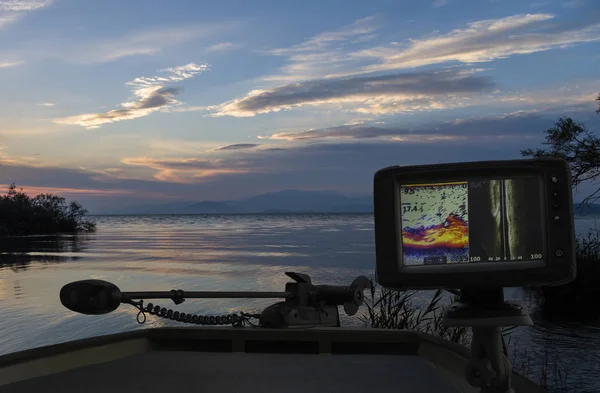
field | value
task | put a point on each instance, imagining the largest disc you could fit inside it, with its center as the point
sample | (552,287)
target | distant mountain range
(286,201)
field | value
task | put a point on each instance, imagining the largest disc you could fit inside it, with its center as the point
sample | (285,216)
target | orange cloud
(35,190)
(185,170)
(111,174)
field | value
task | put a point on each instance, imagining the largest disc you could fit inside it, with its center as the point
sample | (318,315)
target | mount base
(486,312)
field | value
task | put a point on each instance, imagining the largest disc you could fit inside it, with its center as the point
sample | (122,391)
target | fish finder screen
(471,222)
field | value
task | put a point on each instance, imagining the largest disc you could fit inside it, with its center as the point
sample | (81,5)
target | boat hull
(238,359)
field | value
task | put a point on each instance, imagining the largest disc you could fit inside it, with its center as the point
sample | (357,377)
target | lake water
(220,252)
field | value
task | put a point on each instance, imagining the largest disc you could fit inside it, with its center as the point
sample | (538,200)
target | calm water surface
(212,252)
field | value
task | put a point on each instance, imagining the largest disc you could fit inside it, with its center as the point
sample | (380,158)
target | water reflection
(18,290)
(568,354)
(169,252)
(227,252)
(18,253)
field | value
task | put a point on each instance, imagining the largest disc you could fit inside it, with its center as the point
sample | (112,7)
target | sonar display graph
(435,223)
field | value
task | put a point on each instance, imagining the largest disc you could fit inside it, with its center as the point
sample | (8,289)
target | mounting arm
(486,312)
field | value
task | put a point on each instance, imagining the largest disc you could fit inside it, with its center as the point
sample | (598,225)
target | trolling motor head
(305,304)
(91,297)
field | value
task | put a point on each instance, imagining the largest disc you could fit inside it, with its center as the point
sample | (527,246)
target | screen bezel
(552,270)
(469,267)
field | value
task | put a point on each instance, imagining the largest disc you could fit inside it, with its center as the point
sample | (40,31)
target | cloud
(97,193)
(418,89)
(332,149)
(144,43)
(439,3)
(110,174)
(192,108)
(151,95)
(482,41)
(6,20)
(8,64)
(8,159)
(23,5)
(521,125)
(576,96)
(573,3)
(346,166)
(186,170)
(177,73)
(329,70)
(361,27)
(64,191)
(345,162)
(324,53)
(222,47)
(407,93)
(84,50)
(177,146)
(239,146)
(12,11)
(47,104)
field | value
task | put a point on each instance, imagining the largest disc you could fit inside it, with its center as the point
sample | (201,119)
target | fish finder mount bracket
(486,312)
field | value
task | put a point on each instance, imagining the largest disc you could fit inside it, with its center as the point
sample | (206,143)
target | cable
(236,320)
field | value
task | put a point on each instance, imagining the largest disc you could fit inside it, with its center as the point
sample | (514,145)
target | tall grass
(389,309)
(548,371)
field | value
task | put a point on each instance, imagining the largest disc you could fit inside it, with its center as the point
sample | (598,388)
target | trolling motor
(304,304)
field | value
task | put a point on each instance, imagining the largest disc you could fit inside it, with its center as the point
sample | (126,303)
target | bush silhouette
(576,300)
(22,215)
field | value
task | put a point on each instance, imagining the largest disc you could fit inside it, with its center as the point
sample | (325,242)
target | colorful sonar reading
(494,220)
(435,223)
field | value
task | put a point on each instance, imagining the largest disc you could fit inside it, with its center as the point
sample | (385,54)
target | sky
(121,102)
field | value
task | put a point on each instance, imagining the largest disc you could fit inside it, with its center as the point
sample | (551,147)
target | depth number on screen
(520,258)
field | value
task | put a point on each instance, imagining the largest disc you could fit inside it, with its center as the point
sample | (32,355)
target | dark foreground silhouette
(22,215)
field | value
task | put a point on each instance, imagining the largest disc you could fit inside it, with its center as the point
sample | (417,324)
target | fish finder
(474,224)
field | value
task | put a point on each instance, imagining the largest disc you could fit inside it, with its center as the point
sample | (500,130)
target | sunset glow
(209,101)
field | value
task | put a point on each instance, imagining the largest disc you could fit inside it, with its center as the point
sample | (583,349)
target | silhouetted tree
(579,147)
(46,213)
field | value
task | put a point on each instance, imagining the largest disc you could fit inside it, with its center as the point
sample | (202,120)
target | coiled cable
(236,320)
